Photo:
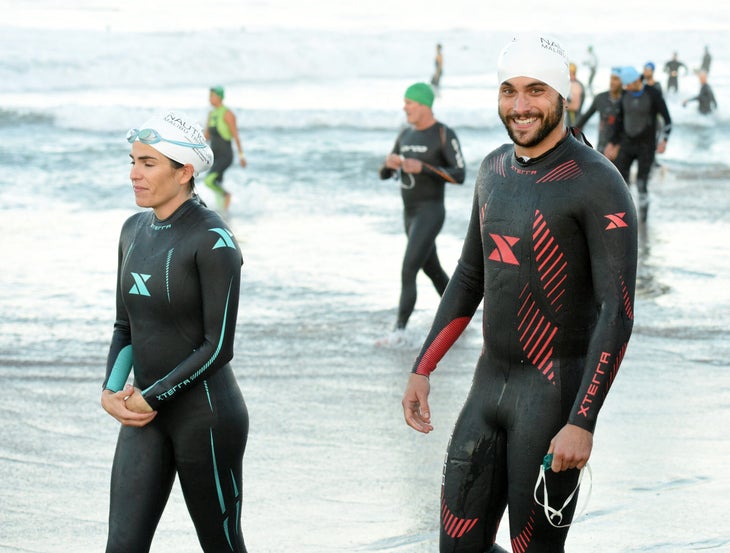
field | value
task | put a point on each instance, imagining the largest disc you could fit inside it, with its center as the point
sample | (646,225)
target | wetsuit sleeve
(119,359)
(664,112)
(386,172)
(612,247)
(219,262)
(453,170)
(460,301)
(587,115)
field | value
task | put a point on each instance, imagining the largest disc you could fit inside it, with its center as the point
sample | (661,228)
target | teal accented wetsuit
(635,132)
(220,142)
(177,303)
(423,202)
(551,250)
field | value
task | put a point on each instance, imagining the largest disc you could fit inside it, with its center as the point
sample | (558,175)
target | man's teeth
(525,120)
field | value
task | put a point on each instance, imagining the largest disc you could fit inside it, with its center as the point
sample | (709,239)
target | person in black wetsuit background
(635,133)
(705,98)
(551,250)
(606,104)
(671,68)
(426,155)
(176,307)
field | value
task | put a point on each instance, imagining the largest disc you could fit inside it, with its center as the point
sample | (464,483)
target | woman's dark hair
(178,165)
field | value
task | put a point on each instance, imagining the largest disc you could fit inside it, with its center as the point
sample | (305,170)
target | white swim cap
(175,127)
(536,56)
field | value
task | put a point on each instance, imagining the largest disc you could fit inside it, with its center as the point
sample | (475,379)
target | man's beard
(553,119)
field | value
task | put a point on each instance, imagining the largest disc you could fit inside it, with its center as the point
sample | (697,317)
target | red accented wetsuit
(423,205)
(177,303)
(551,249)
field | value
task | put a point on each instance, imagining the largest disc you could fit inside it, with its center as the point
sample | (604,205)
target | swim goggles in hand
(151,136)
(550,512)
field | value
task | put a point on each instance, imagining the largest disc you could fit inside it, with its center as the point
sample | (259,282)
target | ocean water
(330,464)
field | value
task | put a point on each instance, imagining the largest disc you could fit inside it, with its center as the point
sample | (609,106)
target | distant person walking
(439,67)
(705,99)
(671,68)
(606,104)
(592,64)
(220,131)
(649,78)
(634,137)
(706,61)
(426,156)
(575,98)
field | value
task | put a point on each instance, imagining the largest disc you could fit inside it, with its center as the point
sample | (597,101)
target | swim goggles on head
(550,512)
(151,136)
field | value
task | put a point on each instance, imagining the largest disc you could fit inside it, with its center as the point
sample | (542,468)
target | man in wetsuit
(178,280)
(635,133)
(606,104)
(221,129)
(705,99)
(551,250)
(426,155)
(671,68)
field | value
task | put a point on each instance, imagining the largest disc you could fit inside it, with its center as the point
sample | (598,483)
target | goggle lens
(151,136)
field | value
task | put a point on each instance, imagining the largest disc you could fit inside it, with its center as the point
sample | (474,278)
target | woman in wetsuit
(551,251)
(177,302)
(427,155)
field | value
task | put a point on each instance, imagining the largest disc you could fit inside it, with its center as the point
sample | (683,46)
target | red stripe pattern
(496,165)
(565,171)
(455,526)
(551,264)
(441,344)
(536,335)
(521,542)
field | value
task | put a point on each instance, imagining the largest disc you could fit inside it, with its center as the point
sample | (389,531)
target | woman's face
(156,182)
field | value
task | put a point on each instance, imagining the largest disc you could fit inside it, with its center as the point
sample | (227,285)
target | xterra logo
(139,288)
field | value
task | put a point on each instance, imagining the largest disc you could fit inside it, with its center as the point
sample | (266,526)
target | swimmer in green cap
(426,156)
(220,130)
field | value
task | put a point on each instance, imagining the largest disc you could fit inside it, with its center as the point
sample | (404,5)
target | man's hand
(611,151)
(571,448)
(415,403)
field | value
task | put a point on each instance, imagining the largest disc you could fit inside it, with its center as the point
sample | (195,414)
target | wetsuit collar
(532,160)
(179,212)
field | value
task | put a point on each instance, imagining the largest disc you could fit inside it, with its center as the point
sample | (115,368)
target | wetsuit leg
(502,434)
(422,224)
(142,476)
(624,159)
(201,435)
(209,448)
(223,158)
(645,157)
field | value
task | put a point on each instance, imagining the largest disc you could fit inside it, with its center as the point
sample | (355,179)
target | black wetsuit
(551,248)
(705,98)
(423,202)
(177,303)
(636,134)
(672,69)
(607,108)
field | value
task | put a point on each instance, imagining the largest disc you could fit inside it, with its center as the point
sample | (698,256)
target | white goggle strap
(551,513)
